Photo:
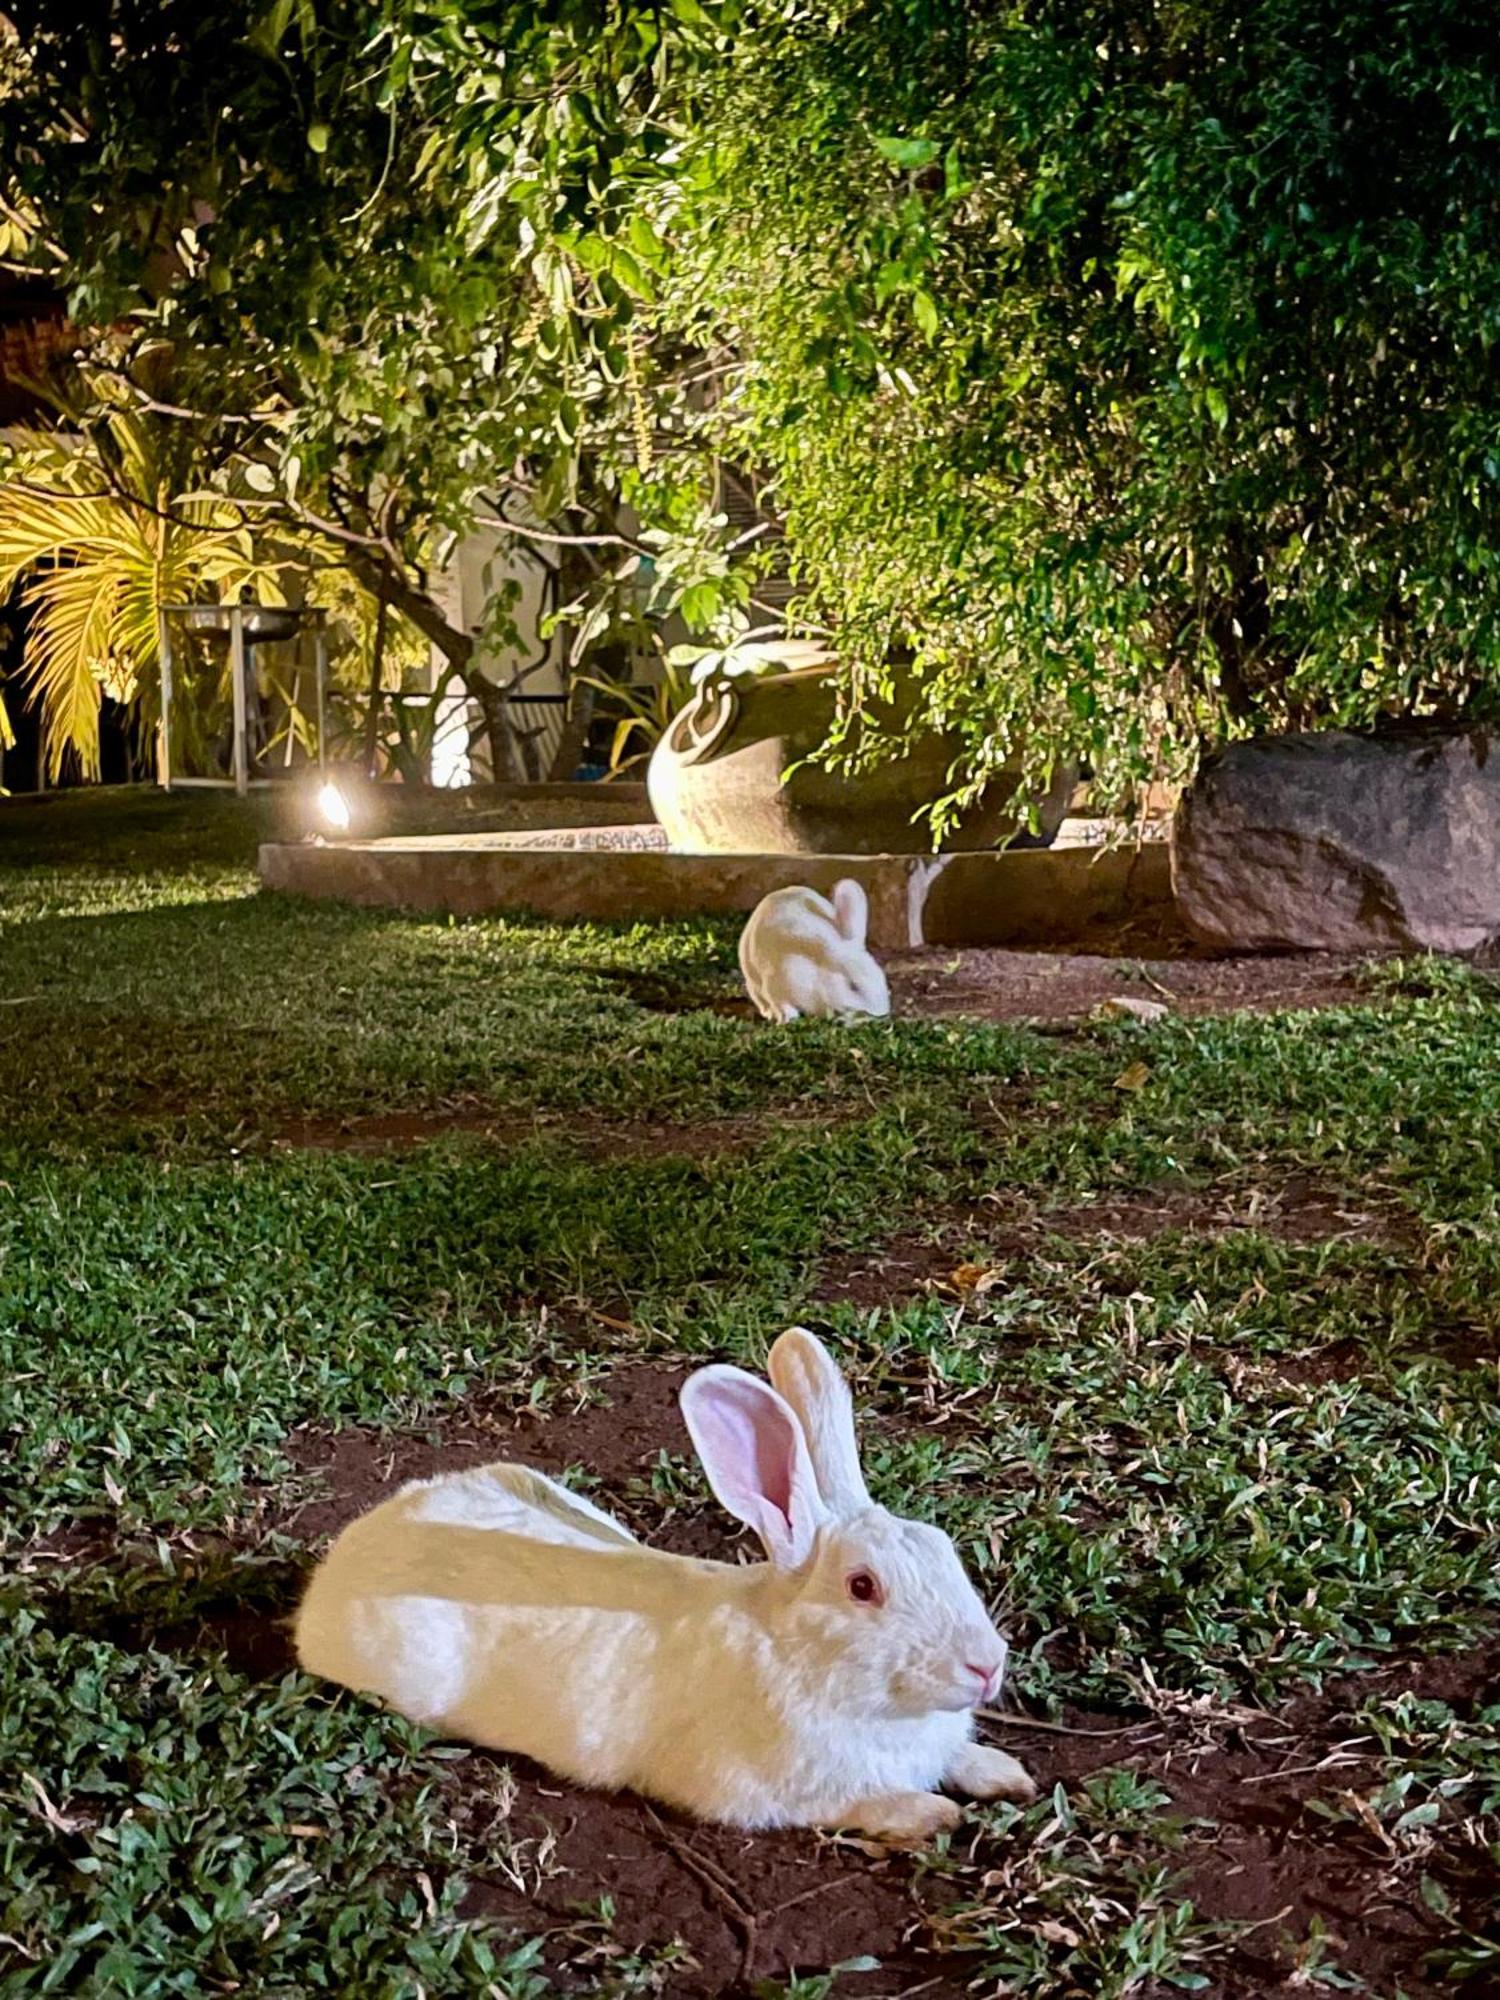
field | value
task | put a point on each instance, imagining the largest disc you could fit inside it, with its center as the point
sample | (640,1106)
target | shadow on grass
(234,1609)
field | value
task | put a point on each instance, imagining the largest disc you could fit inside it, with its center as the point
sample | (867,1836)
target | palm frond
(37,529)
(68,656)
(93,537)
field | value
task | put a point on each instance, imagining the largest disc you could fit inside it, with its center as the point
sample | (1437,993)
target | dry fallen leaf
(1056,1933)
(1125,1007)
(976,1279)
(60,1822)
(877,1850)
(1135,1078)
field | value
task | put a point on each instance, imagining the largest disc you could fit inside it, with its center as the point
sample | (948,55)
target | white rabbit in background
(802,953)
(830,1686)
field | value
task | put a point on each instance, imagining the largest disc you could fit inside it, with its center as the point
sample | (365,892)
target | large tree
(394,252)
(1127,369)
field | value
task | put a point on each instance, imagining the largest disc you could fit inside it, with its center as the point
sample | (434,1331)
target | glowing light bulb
(334,807)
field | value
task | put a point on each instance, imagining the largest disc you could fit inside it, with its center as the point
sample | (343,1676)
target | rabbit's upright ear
(811,1381)
(851,909)
(756,1459)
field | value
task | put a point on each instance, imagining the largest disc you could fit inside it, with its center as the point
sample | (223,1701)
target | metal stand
(164,727)
(237,664)
(245,625)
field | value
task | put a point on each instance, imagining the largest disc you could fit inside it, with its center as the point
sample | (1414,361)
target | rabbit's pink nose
(988,1677)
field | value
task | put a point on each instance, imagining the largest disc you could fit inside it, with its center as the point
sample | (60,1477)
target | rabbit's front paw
(901,1819)
(981,1773)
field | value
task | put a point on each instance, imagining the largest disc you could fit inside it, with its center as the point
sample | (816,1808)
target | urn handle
(700,729)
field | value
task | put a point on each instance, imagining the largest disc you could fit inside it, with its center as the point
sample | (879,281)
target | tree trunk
(491,700)
(575,574)
(1240,628)
(456,646)
(377,675)
(574,739)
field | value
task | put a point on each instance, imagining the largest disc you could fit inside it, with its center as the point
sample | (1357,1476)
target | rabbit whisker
(1012,1718)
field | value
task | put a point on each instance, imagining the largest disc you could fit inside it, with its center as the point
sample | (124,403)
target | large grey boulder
(1338,842)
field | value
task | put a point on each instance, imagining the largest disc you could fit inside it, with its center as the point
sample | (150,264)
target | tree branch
(561,541)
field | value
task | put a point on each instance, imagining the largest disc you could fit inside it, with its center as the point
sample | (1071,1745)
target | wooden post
(320,655)
(377,676)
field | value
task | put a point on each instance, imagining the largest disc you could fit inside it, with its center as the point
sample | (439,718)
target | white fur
(499,1607)
(802,953)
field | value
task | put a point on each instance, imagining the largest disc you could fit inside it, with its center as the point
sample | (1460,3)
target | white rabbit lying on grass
(831,1686)
(802,953)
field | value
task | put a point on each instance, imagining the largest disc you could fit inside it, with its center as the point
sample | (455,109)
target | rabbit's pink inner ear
(756,1459)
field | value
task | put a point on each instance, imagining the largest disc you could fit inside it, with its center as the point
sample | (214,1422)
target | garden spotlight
(334,807)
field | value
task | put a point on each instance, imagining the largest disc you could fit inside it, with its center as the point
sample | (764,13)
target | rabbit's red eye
(864,1587)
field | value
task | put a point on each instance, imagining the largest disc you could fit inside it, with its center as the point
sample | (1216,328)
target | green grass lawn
(1205,1471)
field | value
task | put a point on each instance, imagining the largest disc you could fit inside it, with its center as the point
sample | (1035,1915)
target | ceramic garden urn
(730,776)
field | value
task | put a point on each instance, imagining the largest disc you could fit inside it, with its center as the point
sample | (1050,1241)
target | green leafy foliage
(641,715)
(162,1834)
(1133,375)
(1134,372)
(394,258)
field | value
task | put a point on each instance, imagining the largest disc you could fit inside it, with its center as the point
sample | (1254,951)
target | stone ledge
(1036,897)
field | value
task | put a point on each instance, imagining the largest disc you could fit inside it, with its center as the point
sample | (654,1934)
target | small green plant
(642,715)
(649,712)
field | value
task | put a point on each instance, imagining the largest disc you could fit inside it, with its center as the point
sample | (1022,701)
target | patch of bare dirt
(1155,961)
(1320,1367)
(1297,1209)
(911,1265)
(1261,1853)
(998,985)
(1467,1344)
(934,1257)
(241,1603)
(731,1908)
(254,1638)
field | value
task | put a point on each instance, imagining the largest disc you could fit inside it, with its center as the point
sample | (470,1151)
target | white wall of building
(483,565)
